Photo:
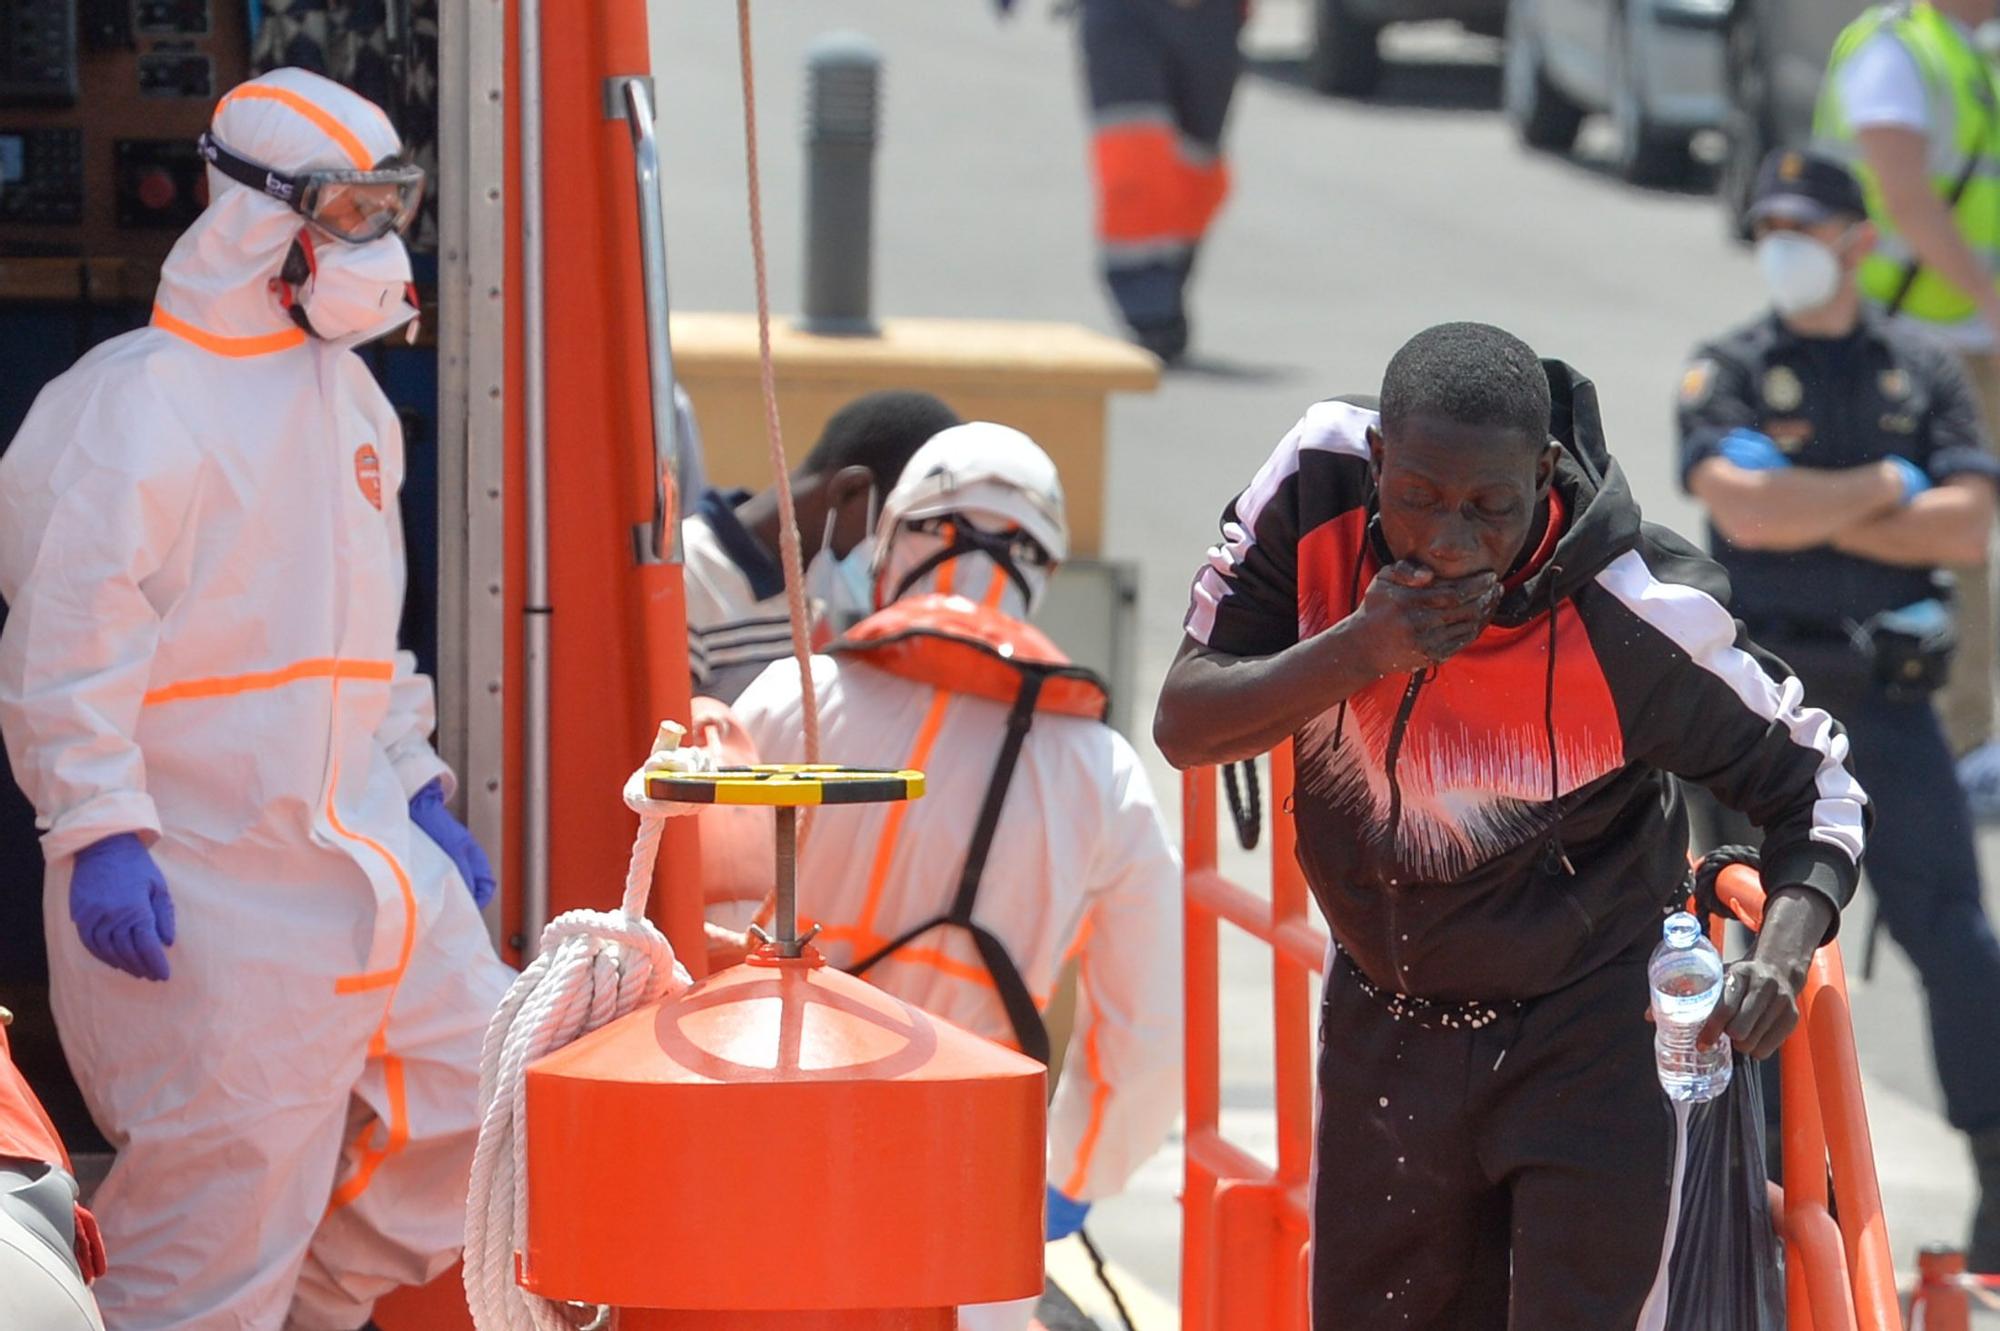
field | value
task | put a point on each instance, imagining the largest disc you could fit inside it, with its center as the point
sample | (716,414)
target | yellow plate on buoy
(786,784)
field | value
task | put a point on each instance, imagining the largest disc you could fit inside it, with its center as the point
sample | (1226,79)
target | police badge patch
(1782,389)
(1697,382)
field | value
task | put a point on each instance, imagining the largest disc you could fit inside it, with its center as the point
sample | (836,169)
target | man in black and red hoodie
(1493,669)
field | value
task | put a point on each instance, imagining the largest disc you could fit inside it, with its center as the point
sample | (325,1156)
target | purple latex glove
(119,903)
(428,812)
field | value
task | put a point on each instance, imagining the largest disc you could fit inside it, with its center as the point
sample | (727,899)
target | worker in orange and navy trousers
(1160,74)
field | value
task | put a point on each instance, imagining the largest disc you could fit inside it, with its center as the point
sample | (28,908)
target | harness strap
(960,546)
(1029,1030)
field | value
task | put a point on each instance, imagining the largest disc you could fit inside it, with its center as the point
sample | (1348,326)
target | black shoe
(1168,340)
(1982,1251)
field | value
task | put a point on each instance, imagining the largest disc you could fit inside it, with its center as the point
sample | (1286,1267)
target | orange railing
(1244,1244)
(1246,1224)
(1839,1275)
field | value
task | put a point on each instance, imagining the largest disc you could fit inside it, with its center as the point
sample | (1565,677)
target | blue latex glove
(119,903)
(1752,450)
(428,812)
(1915,479)
(1065,1216)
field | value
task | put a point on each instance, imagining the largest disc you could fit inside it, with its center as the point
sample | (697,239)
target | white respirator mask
(1800,273)
(349,294)
(843,584)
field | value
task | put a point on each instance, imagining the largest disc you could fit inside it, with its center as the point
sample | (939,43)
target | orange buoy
(784,1145)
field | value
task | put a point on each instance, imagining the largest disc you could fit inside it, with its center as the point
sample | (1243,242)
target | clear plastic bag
(1727,1269)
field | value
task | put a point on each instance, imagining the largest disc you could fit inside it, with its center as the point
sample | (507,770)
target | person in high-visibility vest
(1912,105)
(1038,844)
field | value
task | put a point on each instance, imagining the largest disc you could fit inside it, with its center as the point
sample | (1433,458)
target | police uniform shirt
(1829,403)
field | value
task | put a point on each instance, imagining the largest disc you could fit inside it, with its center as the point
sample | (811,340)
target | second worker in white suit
(1039,841)
(268,966)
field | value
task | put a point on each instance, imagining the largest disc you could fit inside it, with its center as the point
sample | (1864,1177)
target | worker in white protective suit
(268,965)
(1038,841)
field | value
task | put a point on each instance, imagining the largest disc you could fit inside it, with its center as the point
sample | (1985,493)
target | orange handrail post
(1246,1224)
(1941,1291)
(1826,1131)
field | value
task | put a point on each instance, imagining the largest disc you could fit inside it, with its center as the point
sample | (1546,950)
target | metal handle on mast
(660,540)
(535,493)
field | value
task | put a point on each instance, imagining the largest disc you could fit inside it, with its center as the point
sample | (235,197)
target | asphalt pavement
(1352,225)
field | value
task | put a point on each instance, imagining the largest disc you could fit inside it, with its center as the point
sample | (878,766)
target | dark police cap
(1799,185)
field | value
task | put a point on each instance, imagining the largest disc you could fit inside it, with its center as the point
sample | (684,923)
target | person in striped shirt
(738,622)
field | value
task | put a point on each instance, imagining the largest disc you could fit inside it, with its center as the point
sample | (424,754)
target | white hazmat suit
(200,546)
(1080,867)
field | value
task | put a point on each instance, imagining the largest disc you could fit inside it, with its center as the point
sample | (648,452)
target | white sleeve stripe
(1331,427)
(1693,621)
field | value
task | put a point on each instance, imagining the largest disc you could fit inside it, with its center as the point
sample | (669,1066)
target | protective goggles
(354,206)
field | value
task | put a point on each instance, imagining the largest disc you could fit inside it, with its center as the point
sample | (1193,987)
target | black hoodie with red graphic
(1501,825)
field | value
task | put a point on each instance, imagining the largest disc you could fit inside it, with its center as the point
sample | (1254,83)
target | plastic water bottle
(1686,978)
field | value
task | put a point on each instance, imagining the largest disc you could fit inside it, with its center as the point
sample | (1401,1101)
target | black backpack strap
(1029,1030)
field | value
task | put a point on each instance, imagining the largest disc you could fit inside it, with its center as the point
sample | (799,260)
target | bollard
(843,82)
(1941,1290)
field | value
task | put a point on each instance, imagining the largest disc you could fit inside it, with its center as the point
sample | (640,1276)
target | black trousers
(1924,869)
(1510,1174)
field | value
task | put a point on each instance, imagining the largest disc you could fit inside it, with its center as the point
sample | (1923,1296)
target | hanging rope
(788,518)
(594,967)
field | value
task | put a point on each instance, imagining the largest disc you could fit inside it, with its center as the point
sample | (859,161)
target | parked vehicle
(1776,53)
(1654,66)
(1346,57)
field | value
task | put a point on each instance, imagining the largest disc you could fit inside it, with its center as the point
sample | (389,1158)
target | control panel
(38,58)
(101,102)
(41,176)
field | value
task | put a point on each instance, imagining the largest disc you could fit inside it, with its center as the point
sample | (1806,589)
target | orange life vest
(955,644)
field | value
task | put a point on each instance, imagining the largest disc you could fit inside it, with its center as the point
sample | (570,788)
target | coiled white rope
(594,967)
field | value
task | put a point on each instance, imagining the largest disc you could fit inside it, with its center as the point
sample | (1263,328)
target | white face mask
(842,584)
(1800,273)
(352,294)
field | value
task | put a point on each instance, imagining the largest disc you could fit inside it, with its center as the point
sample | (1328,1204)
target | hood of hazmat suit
(201,550)
(978,512)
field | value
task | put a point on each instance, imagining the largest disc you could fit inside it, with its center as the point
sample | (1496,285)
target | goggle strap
(283,188)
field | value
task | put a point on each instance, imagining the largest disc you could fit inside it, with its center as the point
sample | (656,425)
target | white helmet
(997,482)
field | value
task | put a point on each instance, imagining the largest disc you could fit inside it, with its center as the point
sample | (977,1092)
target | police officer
(1842,462)
(1912,103)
